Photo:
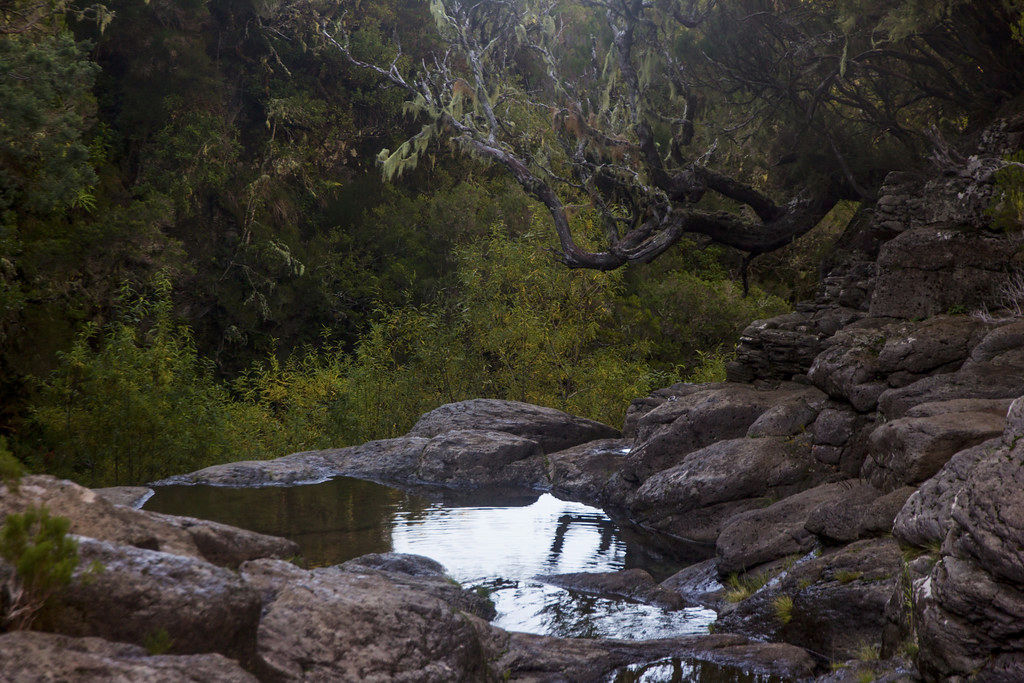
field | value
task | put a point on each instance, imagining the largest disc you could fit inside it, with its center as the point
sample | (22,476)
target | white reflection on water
(503,549)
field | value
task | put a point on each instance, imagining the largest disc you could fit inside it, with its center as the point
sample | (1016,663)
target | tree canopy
(741,121)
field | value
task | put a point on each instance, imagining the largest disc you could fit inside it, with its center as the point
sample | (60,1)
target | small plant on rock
(783,606)
(742,587)
(844,576)
(868,652)
(42,558)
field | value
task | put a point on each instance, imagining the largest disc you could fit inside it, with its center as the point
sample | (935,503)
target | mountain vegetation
(237,228)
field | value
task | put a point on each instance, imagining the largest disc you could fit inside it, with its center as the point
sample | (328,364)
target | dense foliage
(200,259)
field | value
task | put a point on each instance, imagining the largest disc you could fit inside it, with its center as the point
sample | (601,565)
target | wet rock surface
(632,584)
(582,472)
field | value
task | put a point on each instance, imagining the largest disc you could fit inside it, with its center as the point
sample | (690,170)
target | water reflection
(497,547)
(674,670)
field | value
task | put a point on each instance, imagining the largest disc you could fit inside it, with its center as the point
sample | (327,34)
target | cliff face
(877,424)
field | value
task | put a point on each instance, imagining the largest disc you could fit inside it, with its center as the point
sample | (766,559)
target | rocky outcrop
(684,423)
(760,536)
(971,605)
(483,443)
(131,496)
(994,370)
(29,657)
(911,449)
(927,516)
(926,271)
(479,458)
(582,472)
(694,499)
(334,624)
(833,604)
(861,511)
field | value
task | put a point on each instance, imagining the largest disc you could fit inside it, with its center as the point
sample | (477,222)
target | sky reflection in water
(501,548)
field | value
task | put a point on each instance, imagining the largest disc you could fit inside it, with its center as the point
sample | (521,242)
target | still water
(501,545)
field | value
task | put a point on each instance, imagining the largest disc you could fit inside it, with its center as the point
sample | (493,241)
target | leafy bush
(11,469)
(134,401)
(43,557)
(520,327)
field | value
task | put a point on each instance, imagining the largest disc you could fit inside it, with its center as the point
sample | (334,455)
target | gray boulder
(970,608)
(582,472)
(925,271)
(914,448)
(667,433)
(862,511)
(938,344)
(29,657)
(130,595)
(698,584)
(760,536)
(848,369)
(994,370)
(480,458)
(552,429)
(693,500)
(337,624)
(927,517)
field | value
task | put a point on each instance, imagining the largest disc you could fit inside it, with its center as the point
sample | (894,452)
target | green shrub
(11,469)
(43,557)
(133,402)
(158,642)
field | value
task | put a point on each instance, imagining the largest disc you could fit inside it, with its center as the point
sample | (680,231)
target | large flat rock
(552,429)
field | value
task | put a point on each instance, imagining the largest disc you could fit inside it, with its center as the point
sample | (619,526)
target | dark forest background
(200,260)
